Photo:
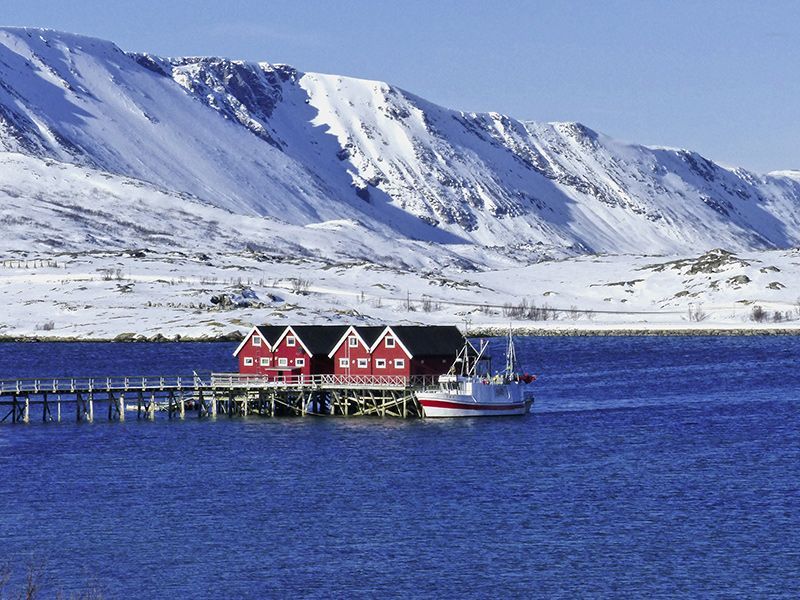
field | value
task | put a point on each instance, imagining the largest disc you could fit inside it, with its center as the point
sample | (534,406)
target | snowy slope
(304,149)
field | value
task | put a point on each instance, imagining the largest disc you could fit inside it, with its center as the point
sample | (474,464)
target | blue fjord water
(650,467)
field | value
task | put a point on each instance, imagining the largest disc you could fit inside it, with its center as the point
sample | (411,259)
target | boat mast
(511,354)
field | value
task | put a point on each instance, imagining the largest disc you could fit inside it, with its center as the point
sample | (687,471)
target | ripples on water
(650,467)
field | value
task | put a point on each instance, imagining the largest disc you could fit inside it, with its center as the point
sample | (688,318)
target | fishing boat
(470,390)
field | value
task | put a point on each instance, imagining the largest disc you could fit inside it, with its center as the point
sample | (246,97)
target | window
(363,363)
(256,340)
(380,363)
(264,361)
(390,342)
(248,361)
(399,363)
(290,340)
(283,362)
(299,362)
(343,363)
(352,341)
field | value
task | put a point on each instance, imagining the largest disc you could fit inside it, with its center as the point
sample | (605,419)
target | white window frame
(399,363)
(352,341)
(256,340)
(265,361)
(299,362)
(392,340)
(291,341)
(344,363)
(248,361)
(380,363)
(283,362)
(363,363)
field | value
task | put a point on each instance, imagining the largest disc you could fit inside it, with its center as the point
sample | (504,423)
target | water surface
(650,467)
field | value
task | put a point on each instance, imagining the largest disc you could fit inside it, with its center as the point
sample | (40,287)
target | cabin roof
(319,339)
(271,333)
(429,340)
(369,333)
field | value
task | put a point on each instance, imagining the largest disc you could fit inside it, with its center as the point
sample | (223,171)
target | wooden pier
(113,398)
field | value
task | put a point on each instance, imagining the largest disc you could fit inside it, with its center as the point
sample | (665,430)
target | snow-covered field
(103,295)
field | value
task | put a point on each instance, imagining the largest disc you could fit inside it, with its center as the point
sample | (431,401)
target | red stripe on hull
(458,405)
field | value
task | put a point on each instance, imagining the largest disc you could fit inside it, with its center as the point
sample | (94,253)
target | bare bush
(299,286)
(778,316)
(697,314)
(758,314)
(531,312)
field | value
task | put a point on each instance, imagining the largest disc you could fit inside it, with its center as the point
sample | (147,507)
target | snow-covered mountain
(303,150)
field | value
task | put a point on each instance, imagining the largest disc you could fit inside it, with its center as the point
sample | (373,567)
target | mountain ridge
(269,140)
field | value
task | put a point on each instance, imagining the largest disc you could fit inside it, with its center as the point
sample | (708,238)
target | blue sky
(722,78)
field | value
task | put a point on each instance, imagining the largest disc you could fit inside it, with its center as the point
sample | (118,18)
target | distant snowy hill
(301,150)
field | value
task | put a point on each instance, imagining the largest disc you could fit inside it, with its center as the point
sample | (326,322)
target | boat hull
(434,407)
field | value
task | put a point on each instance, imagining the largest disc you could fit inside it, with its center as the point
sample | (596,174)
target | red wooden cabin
(351,354)
(302,350)
(407,350)
(255,352)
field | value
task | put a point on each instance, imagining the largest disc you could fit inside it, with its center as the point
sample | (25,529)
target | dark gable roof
(319,339)
(430,340)
(369,333)
(271,333)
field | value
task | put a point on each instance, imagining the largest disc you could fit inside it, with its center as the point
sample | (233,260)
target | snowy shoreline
(474,332)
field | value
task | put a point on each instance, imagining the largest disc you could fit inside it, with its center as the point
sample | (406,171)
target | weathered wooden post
(181,406)
(91,407)
(26,410)
(121,407)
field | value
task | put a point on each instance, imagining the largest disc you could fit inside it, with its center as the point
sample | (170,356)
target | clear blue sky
(722,78)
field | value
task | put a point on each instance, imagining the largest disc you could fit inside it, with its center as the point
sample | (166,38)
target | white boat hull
(435,408)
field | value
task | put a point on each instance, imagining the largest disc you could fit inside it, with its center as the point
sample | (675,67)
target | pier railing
(101,384)
(239,380)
